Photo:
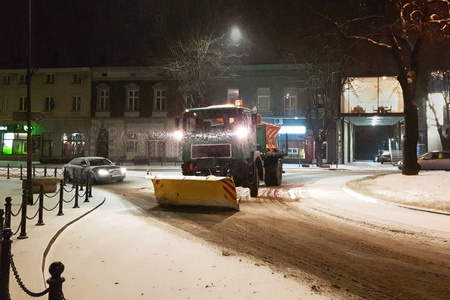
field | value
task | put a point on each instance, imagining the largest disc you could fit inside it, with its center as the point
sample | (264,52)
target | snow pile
(428,189)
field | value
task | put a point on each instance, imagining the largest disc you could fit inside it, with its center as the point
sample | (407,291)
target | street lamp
(235,34)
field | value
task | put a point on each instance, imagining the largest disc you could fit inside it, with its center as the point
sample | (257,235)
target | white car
(100,168)
(434,160)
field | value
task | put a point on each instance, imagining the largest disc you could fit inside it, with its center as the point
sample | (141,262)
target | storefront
(14,141)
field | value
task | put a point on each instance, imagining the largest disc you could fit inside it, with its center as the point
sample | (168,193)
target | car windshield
(100,162)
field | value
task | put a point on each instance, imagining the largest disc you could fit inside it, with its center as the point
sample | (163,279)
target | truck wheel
(274,175)
(254,185)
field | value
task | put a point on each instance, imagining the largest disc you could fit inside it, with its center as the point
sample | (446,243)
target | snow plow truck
(223,146)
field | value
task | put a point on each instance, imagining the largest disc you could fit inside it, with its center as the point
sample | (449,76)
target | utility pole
(29,186)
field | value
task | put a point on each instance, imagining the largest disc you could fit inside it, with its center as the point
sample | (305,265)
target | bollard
(61,199)
(5,263)
(34,171)
(76,194)
(45,171)
(2,219)
(21,172)
(23,221)
(65,176)
(56,172)
(55,282)
(81,180)
(74,178)
(8,205)
(7,172)
(41,207)
(86,193)
(91,182)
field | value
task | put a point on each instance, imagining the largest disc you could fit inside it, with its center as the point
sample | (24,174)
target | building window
(50,78)
(14,143)
(132,97)
(290,102)
(23,79)
(233,95)
(132,143)
(104,100)
(73,144)
(76,103)
(6,80)
(4,104)
(133,100)
(23,104)
(103,97)
(160,100)
(49,104)
(132,146)
(264,99)
(76,78)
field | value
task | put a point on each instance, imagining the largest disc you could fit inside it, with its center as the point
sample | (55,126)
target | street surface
(310,229)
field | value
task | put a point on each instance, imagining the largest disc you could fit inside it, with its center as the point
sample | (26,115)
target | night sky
(132,32)
(87,33)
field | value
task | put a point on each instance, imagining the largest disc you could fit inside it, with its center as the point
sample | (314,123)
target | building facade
(132,115)
(128,113)
(63,98)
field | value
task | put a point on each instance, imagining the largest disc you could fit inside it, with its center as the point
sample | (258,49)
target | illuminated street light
(235,34)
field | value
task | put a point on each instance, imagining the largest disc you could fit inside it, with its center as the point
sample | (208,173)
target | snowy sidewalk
(118,252)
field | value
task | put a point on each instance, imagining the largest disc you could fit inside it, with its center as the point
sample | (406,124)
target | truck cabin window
(214,121)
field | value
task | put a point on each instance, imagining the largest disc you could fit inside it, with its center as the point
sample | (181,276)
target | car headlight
(102,172)
(123,170)
(241,132)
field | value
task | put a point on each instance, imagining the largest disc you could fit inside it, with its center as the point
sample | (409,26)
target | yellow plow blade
(195,190)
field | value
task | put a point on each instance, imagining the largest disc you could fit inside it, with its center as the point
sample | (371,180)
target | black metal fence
(80,189)
(20,172)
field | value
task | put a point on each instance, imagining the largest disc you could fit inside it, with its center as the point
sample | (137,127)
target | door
(156,150)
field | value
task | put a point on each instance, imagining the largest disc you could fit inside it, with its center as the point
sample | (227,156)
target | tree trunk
(444,136)
(410,165)
(318,150)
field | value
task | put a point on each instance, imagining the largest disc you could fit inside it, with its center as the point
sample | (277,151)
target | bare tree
(323,86)
(440,84)
(195,64)
(197,50)
(403,27)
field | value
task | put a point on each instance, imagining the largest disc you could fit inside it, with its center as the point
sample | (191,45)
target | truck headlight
(178,135)
(241,132)
(102,172)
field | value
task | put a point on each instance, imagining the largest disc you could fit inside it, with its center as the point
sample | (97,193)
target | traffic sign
(22,116)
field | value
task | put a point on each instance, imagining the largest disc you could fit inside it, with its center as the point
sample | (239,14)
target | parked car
(385,156)
(434,160)
(100,169)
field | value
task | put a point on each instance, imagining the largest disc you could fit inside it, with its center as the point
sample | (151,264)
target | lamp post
(29,185)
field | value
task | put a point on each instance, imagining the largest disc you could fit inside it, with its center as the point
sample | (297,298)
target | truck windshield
(213,120)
